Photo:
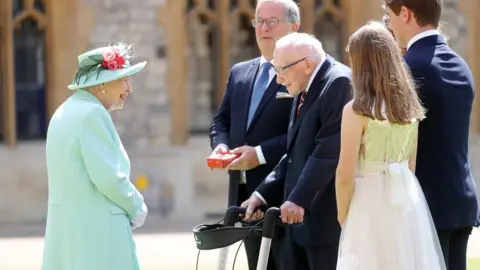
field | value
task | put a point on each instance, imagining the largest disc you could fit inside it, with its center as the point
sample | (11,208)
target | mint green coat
(91,201)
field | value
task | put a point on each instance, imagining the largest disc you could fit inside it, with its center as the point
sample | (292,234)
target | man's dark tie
(300,102)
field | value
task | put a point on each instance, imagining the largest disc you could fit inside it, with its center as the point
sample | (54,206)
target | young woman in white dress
(386,223)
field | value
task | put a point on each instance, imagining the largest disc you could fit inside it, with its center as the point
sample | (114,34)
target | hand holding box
(221,161)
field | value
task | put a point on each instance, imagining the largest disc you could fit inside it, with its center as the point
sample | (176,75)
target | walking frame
(221,236)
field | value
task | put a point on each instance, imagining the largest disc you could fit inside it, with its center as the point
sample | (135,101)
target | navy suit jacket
(267,129)
(306,173)
(445,85)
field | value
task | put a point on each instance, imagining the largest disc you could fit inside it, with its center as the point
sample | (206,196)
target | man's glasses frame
(270,22)
(281,69)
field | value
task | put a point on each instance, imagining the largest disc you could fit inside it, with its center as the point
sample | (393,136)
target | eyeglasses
(281,69)
(270,22)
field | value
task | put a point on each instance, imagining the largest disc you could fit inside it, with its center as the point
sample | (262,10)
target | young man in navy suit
(305,175)
(445,85)
(253,117)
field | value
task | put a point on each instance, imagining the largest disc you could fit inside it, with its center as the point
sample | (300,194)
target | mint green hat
(104,65)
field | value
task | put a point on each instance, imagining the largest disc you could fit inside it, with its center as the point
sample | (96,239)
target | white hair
(302,41)
(292,11)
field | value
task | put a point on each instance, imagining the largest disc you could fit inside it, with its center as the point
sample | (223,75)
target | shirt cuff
(261,157)
(260,197)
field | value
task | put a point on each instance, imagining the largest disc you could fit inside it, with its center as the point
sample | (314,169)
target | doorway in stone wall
(205,53)
(23,72)
(208,50)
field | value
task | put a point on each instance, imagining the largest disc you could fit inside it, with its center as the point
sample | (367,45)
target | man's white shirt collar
(422,35)
(263,60)
(314,73)
(271,72)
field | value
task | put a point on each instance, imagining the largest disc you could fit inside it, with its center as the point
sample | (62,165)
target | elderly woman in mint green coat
(92,205)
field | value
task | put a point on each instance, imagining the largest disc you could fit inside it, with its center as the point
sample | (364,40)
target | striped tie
(300,103)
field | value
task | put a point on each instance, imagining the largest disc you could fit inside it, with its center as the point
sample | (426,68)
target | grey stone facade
(144,124)
(145,121)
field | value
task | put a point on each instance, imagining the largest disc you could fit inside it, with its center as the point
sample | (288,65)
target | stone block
(171,191)
(119,20)
(24,189)
(23,193)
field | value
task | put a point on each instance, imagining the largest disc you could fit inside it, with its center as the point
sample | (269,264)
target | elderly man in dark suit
(445,85)
(305,174)
(253,117)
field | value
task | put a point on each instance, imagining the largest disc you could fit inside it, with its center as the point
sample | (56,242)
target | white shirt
(312,77)
(314,73)
(422,35)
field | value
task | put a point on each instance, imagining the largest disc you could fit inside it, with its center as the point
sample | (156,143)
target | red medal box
(220,161)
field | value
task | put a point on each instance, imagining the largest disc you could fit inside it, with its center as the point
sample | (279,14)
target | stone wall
(144,126)
(180,185)
(145,121)
(23,189)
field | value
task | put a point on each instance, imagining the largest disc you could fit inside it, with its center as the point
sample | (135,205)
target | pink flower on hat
(112,59)
(112,65)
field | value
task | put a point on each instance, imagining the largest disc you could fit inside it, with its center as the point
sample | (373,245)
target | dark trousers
(295,257)
(253,241)
(454,247)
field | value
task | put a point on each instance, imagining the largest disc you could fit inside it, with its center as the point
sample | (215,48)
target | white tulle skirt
(389,225)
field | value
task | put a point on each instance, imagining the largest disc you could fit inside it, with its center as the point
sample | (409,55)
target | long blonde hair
(382,84)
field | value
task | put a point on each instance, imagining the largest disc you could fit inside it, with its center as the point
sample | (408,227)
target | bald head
(295,58)
(302,45)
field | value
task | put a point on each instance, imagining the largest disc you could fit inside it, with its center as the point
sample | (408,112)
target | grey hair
(302,41)
(292,10)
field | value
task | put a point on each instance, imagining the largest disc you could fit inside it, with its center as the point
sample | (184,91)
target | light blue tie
(258,89)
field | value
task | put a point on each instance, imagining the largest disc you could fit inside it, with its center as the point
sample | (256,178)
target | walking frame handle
(232,215)
(272,220)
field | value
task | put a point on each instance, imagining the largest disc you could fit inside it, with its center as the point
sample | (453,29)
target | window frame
(61,17)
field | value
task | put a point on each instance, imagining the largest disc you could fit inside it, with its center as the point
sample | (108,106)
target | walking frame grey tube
(264,253)
(271,220)
(222,259)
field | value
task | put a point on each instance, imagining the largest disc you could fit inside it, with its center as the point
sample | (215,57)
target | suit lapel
(315,89)
(244,98)
(291,121)
(269,93)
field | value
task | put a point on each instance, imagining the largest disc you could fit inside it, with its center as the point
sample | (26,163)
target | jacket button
(289,160)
